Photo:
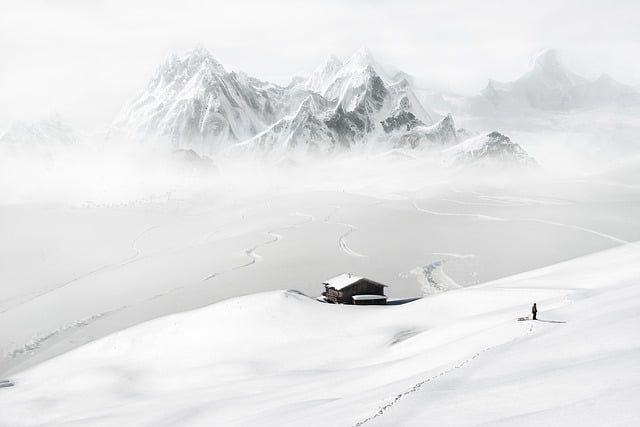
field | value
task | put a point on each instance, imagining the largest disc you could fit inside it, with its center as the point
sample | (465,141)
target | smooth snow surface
(459,358)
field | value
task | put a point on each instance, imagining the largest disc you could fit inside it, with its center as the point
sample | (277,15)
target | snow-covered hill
(280,358)
(551,86)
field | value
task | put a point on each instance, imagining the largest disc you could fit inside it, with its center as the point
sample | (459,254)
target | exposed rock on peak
(441,133)
(493,147)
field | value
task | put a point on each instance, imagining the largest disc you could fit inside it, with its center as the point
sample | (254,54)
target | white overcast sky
(84,59)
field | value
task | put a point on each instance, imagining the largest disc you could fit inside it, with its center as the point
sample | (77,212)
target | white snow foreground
(280,358)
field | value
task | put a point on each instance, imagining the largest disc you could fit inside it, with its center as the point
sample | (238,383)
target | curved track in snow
(342,240)
(38,340)
(252,254)
(477,216)
(541,221)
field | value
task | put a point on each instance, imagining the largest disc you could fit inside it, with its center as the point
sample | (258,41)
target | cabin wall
(371,302)
(361,287)
(332,295)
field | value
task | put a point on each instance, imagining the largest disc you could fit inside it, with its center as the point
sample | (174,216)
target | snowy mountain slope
(551,86)
(458,358)
(492,147)
(356,102)
(305,130)
(421,136)
(195,103)
(194,98)
(323,75)
(363,91)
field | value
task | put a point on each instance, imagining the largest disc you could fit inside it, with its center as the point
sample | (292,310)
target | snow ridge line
(418,386)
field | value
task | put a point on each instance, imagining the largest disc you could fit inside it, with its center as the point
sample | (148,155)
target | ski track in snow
(37,341)
(343,243)
(128,260)
(274,237)
(586,230)
(462,202)
(541,221)
(419,385)
(342,240)
(477,216)
(455,255)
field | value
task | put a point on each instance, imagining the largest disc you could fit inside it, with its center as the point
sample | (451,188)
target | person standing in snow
(534,311)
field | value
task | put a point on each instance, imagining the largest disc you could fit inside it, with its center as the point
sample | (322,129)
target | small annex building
(350,289)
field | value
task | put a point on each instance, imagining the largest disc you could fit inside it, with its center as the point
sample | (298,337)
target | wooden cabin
(350,289)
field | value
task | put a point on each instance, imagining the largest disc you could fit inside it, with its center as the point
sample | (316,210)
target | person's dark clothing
(534,311)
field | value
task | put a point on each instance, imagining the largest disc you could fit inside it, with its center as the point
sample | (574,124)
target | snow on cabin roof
(368,297)
(342,281)
(346,279)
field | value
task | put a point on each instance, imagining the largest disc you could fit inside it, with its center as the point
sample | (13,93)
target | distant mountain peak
(324,74)
(550,85)
(547,58)
(188,63)
(360,60)
(332,59)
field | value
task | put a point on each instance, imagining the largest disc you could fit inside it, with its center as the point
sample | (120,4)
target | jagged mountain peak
(187,64)
(195,103)
(332,59)
(493,147)
(194,100)
(361,61)
(324,74)
(362,55)
(547,59)
(550,85)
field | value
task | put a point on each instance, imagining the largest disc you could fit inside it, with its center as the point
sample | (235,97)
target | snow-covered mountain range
(193,98)
(194,102)
(550,86)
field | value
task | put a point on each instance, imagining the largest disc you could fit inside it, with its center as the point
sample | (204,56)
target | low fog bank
(109,173)
(104,236)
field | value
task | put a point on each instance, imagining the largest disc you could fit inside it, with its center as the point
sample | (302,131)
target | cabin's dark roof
(346,279)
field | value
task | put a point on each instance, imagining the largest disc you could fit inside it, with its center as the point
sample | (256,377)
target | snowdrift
(281,358)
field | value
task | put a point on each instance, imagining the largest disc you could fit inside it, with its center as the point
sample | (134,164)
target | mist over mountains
(194,103)
(551,86)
